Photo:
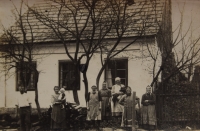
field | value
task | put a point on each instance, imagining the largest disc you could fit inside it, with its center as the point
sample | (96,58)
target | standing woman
(148,110)
(58,116)
(94,106)
(127,101)
(116,108)
(106,97)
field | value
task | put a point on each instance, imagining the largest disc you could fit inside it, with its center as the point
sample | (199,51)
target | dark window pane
(121,73)
(123,81)
(67,75)
(117,68)
(25,75)
(112,65)
(113,73)
(121,64)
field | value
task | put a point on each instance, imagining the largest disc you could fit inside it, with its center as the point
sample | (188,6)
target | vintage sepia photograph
(99,65)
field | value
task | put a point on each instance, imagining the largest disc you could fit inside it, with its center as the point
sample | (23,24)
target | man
(149,112)
(24,110)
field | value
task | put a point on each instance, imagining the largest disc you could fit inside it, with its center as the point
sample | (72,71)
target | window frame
(59,74)
(126,72)
(17,77)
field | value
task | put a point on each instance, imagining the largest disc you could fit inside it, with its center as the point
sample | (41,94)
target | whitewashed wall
(139,75)
(2,85)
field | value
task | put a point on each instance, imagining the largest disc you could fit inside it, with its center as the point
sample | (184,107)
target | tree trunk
(36,94)
(156,77)
(75,94)
(86,84)
(100,73)
(76,84)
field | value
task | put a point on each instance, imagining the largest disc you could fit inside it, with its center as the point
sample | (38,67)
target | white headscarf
(117,79)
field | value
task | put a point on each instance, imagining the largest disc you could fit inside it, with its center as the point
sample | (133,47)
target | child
(62,97)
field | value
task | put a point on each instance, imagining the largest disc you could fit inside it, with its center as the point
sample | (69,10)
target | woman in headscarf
(94,106)
(127,101)
(117,93)
(58,116)
(105,105)
(148,110)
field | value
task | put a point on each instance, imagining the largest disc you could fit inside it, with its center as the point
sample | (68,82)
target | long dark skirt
(105,109)
(149,115)
(58,117)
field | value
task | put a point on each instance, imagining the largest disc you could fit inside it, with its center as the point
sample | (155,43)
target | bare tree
(179,54)
(90,24)
(18,47)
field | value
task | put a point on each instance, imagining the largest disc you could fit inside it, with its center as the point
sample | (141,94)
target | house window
(67,78)
(25,75)
(116,68)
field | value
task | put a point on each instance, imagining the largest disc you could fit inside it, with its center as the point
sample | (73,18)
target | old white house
(134,65)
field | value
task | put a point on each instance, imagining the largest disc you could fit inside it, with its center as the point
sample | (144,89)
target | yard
(76,121)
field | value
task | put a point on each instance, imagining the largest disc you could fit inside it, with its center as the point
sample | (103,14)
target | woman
(106,96)
(116,108)
(148,110)
(58,116)
(127,101)
(94,106)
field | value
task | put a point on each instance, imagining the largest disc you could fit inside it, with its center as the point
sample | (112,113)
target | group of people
(117,105)
(114,104)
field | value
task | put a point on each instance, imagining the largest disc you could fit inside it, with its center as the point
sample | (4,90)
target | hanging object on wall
(83,67)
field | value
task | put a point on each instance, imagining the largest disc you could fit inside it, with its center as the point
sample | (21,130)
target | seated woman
(58,116)
(127,101)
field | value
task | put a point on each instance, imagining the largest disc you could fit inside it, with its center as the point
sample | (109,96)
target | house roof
(142,12)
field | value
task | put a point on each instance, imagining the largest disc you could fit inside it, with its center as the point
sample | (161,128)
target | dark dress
(105,104)
(148,110)
(58,116)
(127,101)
